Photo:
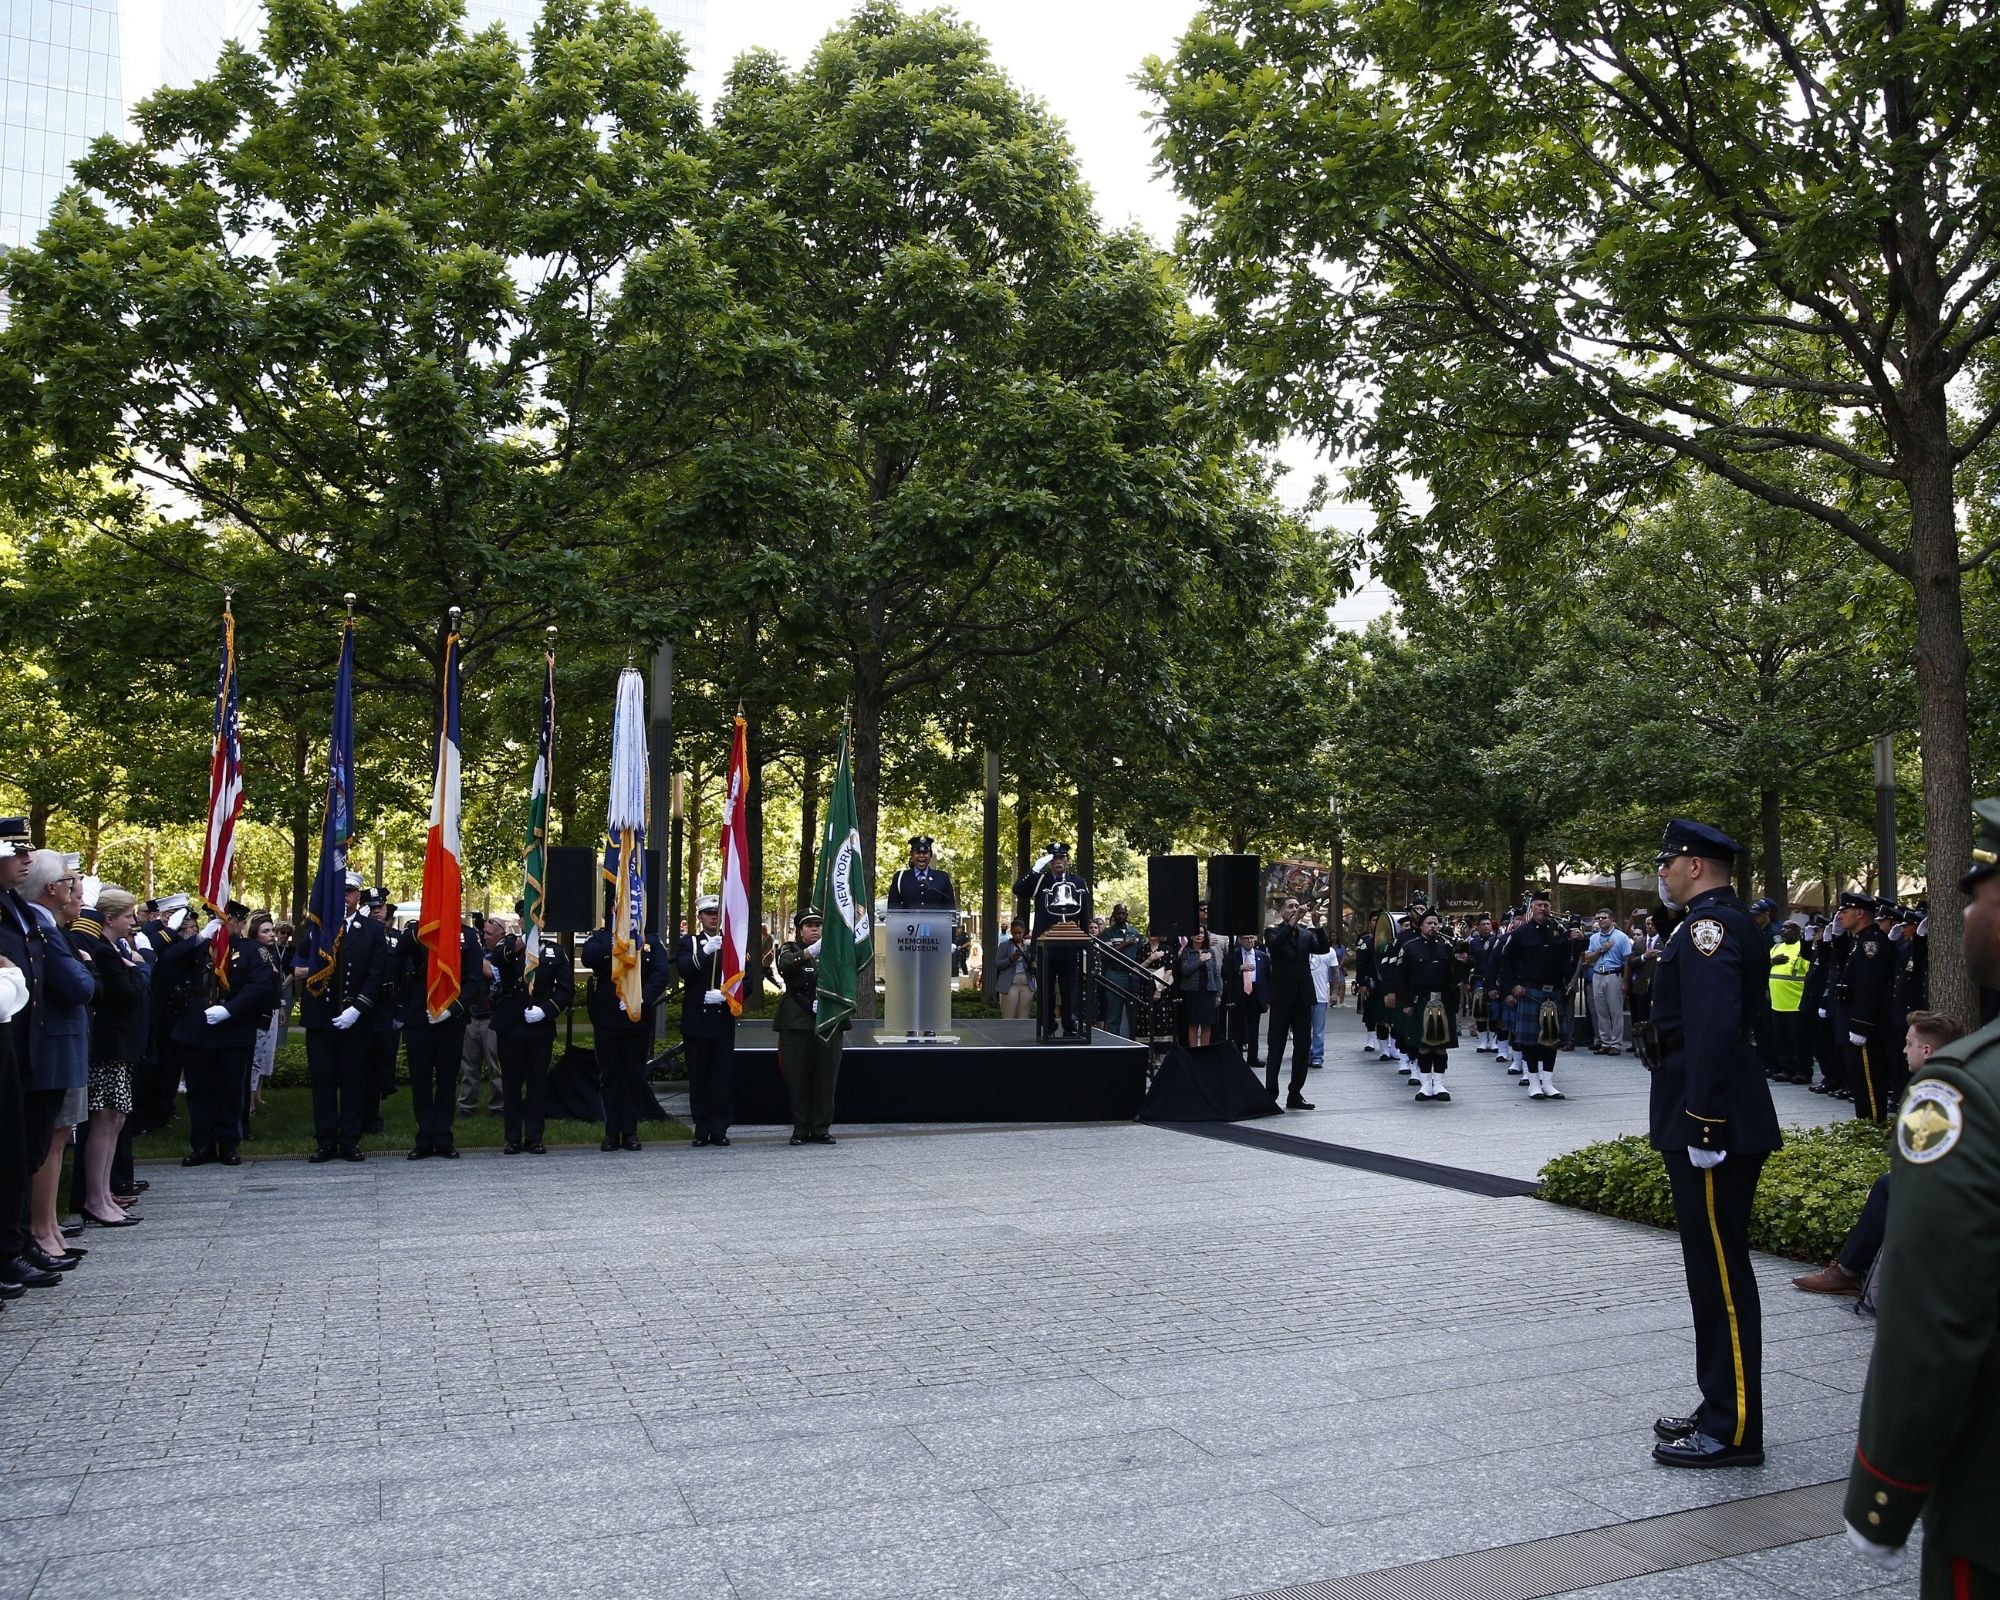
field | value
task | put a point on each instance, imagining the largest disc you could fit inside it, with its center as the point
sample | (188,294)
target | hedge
(1809,1196)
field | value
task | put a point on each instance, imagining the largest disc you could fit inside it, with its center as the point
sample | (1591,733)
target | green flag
(847,936)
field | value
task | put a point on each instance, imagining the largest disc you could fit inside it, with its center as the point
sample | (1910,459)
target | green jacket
(1930,1419)
(799,973)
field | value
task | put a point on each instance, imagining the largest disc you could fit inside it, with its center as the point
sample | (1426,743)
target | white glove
(1042,864)
(216,1014)
(711,943)
(1822,1013)
(534,1014)
(813,948)
(712,998)
(347,1018)
(445,1018)
(1856,1038)
(1706,1158)
(211,928)
(1889,1557)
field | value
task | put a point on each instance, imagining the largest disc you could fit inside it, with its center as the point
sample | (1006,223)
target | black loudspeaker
(1172,896)
(569,892)
(1235,895)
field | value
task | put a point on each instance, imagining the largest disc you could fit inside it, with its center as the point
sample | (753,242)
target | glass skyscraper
(59,89)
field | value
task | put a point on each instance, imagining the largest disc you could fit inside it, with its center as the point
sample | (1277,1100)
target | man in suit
(708,1026)
(921,886)
(21,950)
(624,1045)
(435,1044)
(1245,988)
(340,1050)
(1290,943)
(216,1029)
(524,1032)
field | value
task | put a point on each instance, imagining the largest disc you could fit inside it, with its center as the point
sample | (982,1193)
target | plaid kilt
(1525,1029)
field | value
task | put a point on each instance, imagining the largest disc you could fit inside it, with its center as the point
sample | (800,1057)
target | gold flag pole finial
(227,591)
(550,631)
(349,598)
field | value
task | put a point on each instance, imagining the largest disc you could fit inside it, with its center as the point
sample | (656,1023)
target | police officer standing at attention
(1930,1416)
(708,1027)
(1059,896)
(435,1044)
(1866,986)
(624,1047)
(1713,1124)
(921,886)
(217,1029)
(811,1064)
(525,1009)
(340,1046)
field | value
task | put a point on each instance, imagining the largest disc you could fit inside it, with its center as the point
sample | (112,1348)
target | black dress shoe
(1442,1094)
(535,1147)
(24,1272)
(96,1221)
(319,1155)
(449,1152)
(230,1160)
(720,1138)
(1298,1102)
(1672,1428)
(798,1138)
(629,1143)
(74,1254)
(421,1153)
(36,1256)
(699,1140)
(9,1289)
(510,1148)
(352,1154)
(141,1186)
(200,1159)
(821,1138)
(1699,1450)
(608,1146)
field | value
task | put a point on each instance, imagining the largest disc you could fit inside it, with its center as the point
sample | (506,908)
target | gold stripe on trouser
(1868,1081)
(1728,1305)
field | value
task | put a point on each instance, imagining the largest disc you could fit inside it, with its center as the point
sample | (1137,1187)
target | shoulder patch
(1869,947)
(1705,934)
(1931,1122)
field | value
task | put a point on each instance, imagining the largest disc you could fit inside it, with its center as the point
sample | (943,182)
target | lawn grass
(286,1129)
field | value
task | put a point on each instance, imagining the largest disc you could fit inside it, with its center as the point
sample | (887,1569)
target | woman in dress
(1198,976)
(118,1025)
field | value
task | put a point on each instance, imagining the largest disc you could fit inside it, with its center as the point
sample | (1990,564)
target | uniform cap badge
(1705,934)
(1930,1124)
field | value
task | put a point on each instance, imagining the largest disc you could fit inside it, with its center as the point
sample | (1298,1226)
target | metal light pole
(989,875)
(1885,813)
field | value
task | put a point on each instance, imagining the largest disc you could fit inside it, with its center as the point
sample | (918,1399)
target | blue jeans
(1319,1032)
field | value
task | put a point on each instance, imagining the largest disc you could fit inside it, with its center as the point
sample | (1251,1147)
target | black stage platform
(996,1074)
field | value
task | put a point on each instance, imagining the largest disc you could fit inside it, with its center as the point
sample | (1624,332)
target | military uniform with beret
(1713,1123)
(1930,1417)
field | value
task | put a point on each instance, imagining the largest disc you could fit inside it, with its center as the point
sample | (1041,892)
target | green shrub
(1809,1196)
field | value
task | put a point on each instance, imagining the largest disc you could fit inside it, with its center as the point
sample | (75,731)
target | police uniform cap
(14,831)
(1059,849)
(235,909)
(1685,838)
(1850,900)
(923,841)
(1766,904)
(1541,895)
(804,916)
(708,902)
(1985,842)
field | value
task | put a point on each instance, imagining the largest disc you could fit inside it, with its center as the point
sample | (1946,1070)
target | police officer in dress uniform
(1930,1416)
(921,886)
(216,1029)
(434,1046)
(624,1047)
(525,1009)
(1059,896)
(811,1065)
(1713,1124)
(1863,992)
(1534,964)
(340,1040)
(708,1026)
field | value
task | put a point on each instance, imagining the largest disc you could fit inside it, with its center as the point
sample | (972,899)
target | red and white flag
(443,905)
(736,872)
(225,799)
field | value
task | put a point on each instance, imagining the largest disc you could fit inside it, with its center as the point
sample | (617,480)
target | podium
(914,950)
(1067,943)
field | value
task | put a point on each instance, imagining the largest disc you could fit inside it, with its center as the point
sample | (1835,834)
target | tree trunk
(1942,663)
(989,875)
(1024,849)
(1517,867)
(302,828)
(1618,893)
(753,823)
(1086,842)
(808,826)
(1776,885)
(693,836)
(39,812)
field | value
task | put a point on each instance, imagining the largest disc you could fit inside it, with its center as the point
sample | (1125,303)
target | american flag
(225,798)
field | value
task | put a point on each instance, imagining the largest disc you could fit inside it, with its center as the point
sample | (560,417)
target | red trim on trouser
(1961,1578)
(1894,1483)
